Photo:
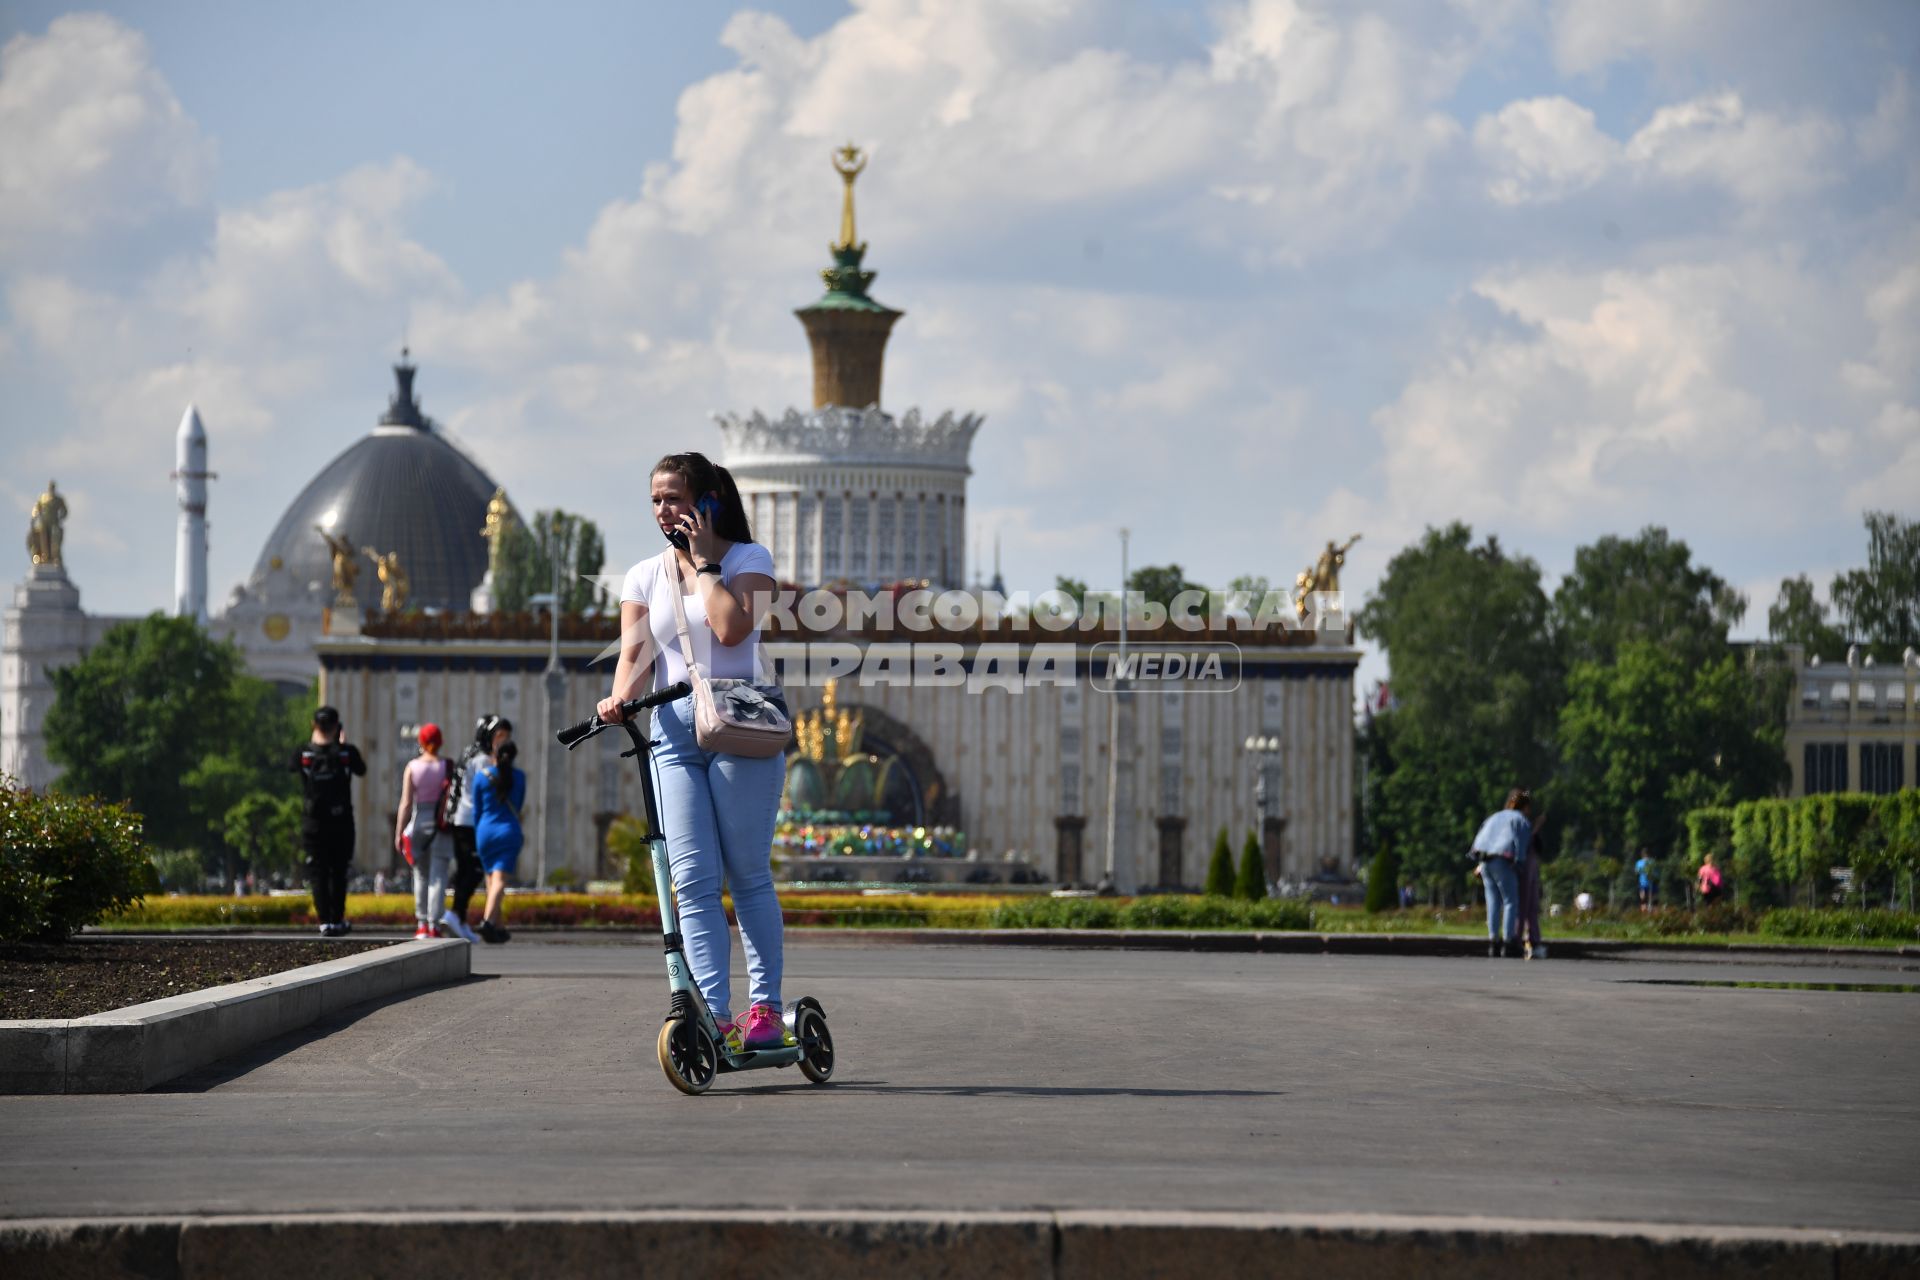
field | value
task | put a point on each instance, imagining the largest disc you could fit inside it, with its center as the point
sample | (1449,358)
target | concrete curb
(1038,1244)
(1370,944)
(1275,941)
(131,1049)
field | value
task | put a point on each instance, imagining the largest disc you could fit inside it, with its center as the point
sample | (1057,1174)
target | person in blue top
(499,801)
(1644,869)
(1498,849)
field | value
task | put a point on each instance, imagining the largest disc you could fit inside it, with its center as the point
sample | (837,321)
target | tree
(1799,617)
(628,845)
(264,829)
(213,787)
(1652,735)
(1880,604)
(1160,584)
(527,556)
(1644,588)
(1477,678)
(139,717)
(1220,868)
(1251,883)
(1247,593)
(1383,880)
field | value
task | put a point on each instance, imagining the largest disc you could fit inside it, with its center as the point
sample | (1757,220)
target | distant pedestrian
(1536,946)
(416,832)
(488,732)
(327,765)
(1498,848)
(499,795)
(1712,884)
(1648,871)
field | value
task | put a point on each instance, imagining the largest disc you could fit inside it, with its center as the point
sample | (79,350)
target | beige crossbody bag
(729,716)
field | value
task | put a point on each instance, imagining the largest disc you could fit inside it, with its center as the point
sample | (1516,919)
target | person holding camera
(327,765)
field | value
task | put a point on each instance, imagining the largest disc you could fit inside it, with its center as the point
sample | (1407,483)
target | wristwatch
(709,567)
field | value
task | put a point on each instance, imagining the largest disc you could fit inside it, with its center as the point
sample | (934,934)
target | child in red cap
(416,831)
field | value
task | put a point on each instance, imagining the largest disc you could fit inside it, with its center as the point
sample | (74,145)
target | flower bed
(1004,911)
(557,910)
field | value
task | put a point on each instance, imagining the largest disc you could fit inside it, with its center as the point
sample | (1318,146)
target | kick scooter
(691,1050)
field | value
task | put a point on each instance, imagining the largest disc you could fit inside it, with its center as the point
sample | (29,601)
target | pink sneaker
(764,1028)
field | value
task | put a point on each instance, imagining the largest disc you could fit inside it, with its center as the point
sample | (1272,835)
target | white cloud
(1587,35)
(1610,398)
(1889,467)
(1266,354)
(287,294)
(1759,156)
(1541,149)
(94,138)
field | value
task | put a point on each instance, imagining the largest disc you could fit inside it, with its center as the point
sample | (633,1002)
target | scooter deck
(748,1059)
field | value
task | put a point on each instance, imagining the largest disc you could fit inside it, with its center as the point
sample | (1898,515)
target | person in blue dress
(499,802)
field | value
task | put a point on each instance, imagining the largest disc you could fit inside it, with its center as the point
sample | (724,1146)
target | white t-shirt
(649,583)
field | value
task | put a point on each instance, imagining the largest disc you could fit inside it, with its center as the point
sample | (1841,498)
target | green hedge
(1844,925)
(1795,844)
(65,862)
(1158,911)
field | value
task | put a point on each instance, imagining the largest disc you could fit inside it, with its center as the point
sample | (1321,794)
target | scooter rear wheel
(816,1044)
(688,1055)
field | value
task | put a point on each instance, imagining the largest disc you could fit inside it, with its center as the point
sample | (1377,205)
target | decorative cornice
(847,437)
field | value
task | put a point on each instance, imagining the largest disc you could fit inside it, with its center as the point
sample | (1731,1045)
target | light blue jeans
(719,812)
(1503,898)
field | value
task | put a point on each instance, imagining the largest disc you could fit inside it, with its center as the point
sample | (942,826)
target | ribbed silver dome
(402,488)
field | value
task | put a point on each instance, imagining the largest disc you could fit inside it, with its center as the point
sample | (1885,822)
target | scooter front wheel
(816,1044)
(688,1055)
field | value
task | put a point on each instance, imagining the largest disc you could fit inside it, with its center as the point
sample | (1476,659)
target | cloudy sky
(1241,275)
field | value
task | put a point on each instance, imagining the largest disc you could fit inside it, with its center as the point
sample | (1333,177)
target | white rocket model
(190,477)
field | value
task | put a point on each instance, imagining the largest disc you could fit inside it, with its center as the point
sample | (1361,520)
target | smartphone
(709,506)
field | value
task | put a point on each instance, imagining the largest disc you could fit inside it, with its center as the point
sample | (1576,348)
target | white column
(190,550)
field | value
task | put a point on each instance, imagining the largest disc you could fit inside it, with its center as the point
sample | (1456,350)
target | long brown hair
(703,476)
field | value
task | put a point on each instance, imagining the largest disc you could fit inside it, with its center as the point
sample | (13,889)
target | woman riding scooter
(718,808)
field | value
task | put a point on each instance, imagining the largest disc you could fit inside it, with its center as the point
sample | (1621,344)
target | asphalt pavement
(976,1078)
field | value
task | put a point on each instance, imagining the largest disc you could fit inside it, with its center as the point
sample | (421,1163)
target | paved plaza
(988,1078)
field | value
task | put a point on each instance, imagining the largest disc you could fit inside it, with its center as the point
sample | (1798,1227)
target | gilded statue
(46,529)
(849,163)
(495,529)
(1322,575)
(346,566)
(394,587)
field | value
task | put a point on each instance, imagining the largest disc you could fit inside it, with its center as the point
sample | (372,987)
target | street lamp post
(553,817)
(1113,731)
(1264,750)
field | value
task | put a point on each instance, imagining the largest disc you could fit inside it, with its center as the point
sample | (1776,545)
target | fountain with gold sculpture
(835,801)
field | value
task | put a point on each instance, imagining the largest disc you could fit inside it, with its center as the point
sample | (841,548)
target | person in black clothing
(327,766)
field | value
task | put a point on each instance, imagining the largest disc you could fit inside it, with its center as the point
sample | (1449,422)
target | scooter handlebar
(593,724)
